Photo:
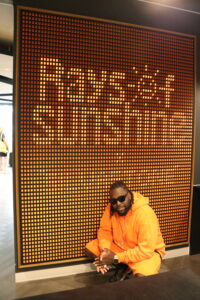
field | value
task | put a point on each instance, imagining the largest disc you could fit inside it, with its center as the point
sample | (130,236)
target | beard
(126,208)
(124,211)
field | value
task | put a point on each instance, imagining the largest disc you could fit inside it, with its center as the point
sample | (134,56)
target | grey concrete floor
(46,286)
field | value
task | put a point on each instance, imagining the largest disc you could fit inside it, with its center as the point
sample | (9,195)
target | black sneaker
(122,272)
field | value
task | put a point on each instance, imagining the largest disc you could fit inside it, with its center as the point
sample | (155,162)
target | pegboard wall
(98,101)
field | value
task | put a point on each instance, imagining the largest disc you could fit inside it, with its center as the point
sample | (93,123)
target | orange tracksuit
(134,237)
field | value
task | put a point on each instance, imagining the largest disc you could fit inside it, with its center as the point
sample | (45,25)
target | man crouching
(129,236)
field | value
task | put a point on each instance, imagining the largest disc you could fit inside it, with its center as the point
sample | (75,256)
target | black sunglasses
(114,201)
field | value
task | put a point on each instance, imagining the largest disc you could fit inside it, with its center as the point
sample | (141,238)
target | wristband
(115,259)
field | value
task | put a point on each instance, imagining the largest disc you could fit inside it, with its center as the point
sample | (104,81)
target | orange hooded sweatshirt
(137,234)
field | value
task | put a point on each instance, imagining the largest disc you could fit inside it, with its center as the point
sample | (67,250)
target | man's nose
(119,202)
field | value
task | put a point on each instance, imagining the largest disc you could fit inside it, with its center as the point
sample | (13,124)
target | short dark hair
(117,184)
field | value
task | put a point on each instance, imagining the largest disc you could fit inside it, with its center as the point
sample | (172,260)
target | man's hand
(107,256)
(100,266)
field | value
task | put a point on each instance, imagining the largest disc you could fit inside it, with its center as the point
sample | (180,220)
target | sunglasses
(121,199)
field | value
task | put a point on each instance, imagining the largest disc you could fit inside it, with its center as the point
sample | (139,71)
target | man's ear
(132,198)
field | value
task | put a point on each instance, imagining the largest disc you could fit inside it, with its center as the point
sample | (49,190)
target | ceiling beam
(5,79)
(5,95)
(6,48)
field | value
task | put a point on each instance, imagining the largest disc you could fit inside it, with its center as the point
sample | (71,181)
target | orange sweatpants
(146,267)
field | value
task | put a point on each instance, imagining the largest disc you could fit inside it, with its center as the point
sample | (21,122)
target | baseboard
(78,269)
(177,252)
(54,272)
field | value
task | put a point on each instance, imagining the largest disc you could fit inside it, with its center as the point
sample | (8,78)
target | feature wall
(98,101)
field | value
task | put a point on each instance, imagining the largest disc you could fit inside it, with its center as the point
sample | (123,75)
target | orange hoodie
(137,234)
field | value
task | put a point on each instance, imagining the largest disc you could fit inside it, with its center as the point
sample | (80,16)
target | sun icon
(146,86)
(147,89)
